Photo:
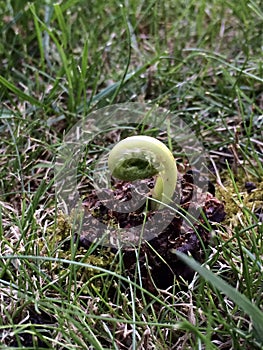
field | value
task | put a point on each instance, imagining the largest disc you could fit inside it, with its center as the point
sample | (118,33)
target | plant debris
(159,266)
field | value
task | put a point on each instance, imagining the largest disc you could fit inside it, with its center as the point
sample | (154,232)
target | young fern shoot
(141,157)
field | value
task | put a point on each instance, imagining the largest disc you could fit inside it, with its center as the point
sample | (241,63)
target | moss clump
(59,246)
(57,233)
(90,277)
(239,200)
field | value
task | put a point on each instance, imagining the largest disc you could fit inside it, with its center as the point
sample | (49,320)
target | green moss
(90,277)
(59,233)
(237,198)
(104,259)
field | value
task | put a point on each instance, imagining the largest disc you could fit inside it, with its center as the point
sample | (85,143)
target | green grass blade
(240,299)
(256,9)
(62,24)
(19,93)
(111,90)
(39,39)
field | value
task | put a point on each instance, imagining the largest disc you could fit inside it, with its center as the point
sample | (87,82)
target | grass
(60,61)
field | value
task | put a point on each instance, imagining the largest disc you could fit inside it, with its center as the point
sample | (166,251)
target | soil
(159,266)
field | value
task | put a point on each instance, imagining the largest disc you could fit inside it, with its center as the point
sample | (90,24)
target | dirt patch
(158,264)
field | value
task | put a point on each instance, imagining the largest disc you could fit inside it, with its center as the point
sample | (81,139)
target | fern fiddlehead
(140,157)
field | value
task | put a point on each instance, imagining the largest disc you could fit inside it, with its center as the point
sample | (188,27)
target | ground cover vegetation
(61,60)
